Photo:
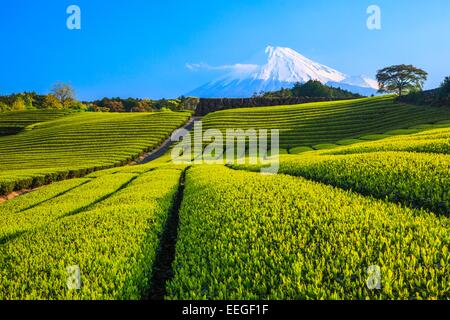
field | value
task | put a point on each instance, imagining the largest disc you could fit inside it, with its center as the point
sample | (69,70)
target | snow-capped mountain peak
(287,65)
(284,68)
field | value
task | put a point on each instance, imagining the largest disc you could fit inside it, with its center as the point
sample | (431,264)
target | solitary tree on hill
(64,93)
(401,79)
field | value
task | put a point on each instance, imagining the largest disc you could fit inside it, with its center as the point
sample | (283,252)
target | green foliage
(326,122)
(78,106)
(65,205)
(282,93)
(298,150)
(33,101)
(317,89)
(113,105)
(401,79)
(62,97)
(4,107)
(346,142)
(33,199)
(78,144)
(419,180)
(114,241)
(374,136)
(242,235)
(143,105)
(64,93)
(248,236)
(324,146)
(51,103)
(431,141)
(18,104)
(401,132)
(444,90)
(173,105)
(312,88)
(24,119)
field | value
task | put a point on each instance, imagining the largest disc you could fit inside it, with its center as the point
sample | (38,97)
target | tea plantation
(317,125)
(80,143)
(366,184)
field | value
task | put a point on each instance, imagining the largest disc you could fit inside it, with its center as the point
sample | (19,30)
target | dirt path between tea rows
(16,194)
(164,147)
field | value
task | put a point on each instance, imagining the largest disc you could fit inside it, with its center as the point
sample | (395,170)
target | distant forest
(437,97)
(62,97)
(34,101)
(312,88)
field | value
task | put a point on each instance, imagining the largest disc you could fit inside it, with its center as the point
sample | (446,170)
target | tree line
(403,80)
(407,82)
(439,97)
(310,89)
(62,97)
(142,105)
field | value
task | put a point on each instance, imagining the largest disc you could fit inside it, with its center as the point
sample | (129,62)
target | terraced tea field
(108,226)
(323,125)
(248,236)
(14,122)
(412,169)
(430,141)
(228,232)
(80,143)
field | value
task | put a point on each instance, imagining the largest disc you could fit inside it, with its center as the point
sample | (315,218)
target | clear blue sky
(140,48)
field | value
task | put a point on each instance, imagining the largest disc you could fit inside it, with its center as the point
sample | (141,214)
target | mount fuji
(283,69)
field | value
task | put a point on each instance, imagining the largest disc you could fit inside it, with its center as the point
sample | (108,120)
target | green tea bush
(327,122)
(248,236)
(78,144)
(114,243)
(418,180)
(16,222)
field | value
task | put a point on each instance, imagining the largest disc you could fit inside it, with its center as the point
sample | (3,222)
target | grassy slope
(220,222)
(321,124)
(248,236)
(410,169)
(16,121)
(428,141)
(79,143)
(109,226)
